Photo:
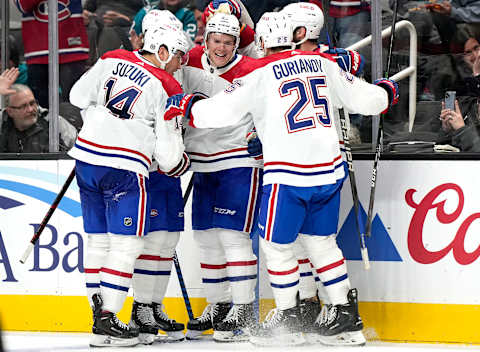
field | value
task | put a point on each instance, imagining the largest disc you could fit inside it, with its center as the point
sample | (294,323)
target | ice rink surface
(71,342)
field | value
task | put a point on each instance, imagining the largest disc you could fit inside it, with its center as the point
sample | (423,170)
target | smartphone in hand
(450,96)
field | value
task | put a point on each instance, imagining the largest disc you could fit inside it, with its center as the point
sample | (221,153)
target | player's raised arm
(358,96)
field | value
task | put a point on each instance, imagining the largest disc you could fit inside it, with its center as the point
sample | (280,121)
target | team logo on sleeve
(233,86)
(348,76)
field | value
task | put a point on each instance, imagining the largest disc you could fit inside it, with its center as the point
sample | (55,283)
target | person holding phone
(461,128)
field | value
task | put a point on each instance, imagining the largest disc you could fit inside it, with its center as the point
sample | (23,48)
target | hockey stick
(47,217)
(349,158)
(353,186)
(378,148)
(186,299)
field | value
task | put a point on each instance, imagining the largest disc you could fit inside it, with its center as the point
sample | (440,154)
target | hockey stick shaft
(378,147)
(47,217)
(348,155)
(353,186)
(178,269)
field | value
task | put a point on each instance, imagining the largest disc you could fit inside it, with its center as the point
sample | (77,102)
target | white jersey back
(291,96)
(124,96)
(223,148)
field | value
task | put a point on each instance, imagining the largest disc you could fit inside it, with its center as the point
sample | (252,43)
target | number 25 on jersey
(298,118)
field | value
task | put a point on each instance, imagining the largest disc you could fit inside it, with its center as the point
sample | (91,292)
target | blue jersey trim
(111,155)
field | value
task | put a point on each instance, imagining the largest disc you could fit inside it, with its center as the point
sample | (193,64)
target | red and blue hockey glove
(254,146)
(349,60)
(392,90)
(180,105)
(213,6)
(179,169)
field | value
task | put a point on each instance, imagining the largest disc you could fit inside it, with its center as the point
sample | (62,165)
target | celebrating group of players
(254,121)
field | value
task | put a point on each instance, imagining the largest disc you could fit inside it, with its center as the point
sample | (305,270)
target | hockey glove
(254,146)
(232,7)
(180,169)
(392,90)
(180,105)
(348,60)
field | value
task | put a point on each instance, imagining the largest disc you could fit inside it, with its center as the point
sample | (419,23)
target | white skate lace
(160,310)
(145,315)
(323,315)
(234,313)
(332,315)
(120,323)
(272,318)
(209,312)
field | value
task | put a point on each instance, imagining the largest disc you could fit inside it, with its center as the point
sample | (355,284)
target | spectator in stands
(461,130)
(348,20)
(177,7)
(109,23)
(437,22)
(24,124)
(14,60)
(72,45)
(200,25)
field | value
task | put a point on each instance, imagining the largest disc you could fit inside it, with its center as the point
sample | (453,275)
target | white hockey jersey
(123,127)
(291,96)
(224,148)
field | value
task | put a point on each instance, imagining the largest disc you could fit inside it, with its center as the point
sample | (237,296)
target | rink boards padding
(422,286)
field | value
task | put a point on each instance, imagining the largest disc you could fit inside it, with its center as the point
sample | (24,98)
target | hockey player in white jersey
(153,267)
(290,96)
(307,21)
(123,96)
(227,185)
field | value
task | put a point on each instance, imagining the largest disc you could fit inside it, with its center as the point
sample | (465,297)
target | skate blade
(292,339)
(110,341)
(170,336)
(239,335)
(146,339)
(196,335)
(347,338)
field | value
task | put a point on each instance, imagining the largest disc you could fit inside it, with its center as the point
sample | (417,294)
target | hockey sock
(95,256)
(283,271)
(153,266)
(241,265)
(307,286)
(167,251)
(213,266)
(116,274)
(329,264)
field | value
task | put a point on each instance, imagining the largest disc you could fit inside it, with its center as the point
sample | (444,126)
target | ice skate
(341,324)
(142,319)
(213,314)
(173,329)
(280,328)
(309,311)
(108,330)
(236,325)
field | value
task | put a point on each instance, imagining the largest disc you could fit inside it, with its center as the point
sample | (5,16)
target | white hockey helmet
(304,14)
(273,30)
(159,18)
(223,23)
(172,38)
